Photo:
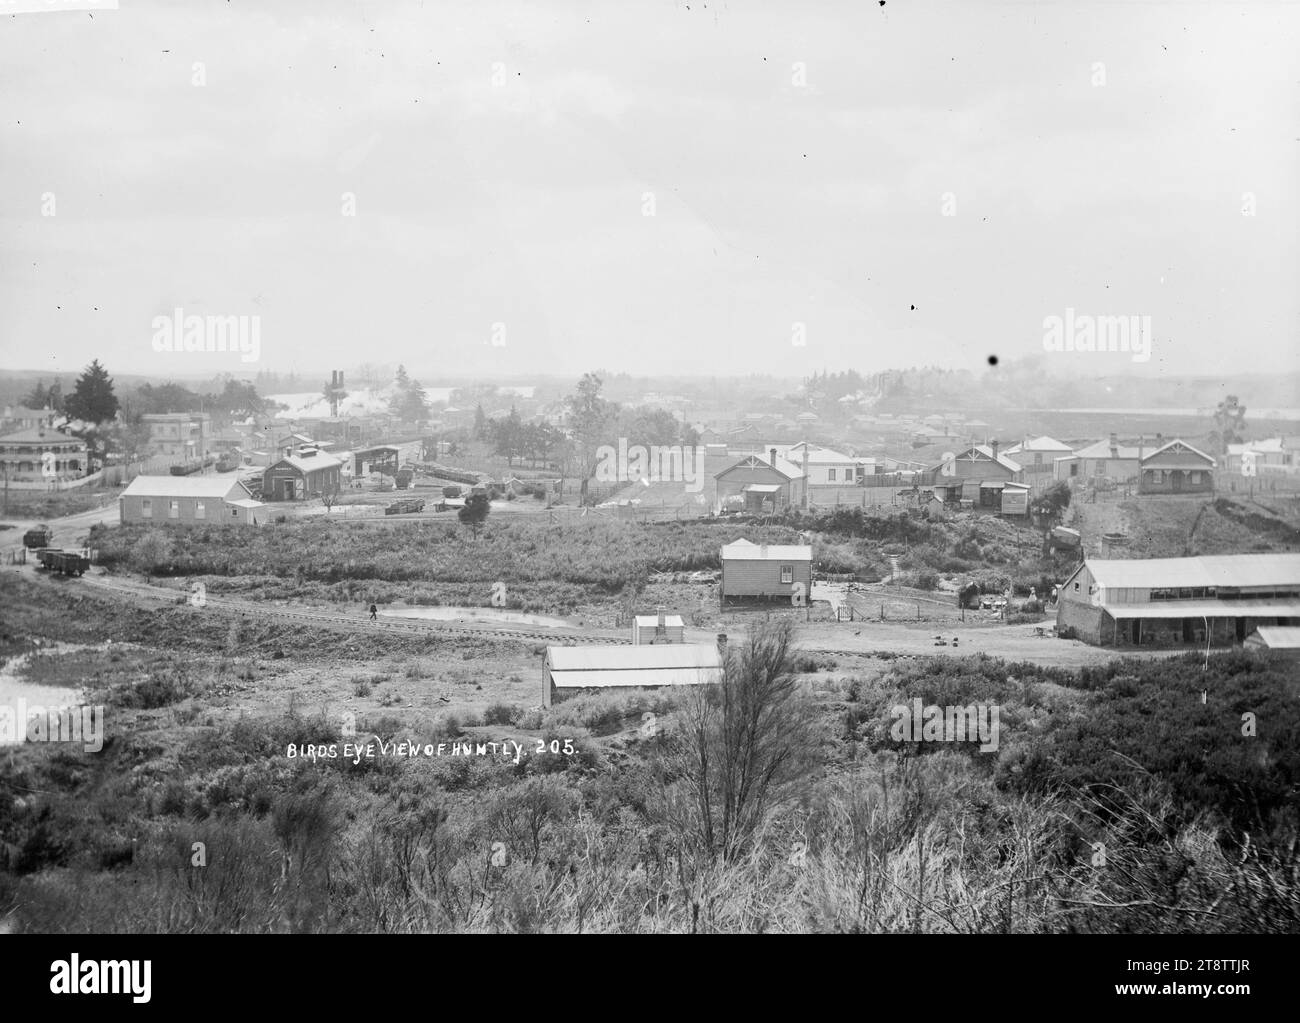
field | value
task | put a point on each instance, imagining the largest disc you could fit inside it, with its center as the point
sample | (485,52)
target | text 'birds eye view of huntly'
(654,467)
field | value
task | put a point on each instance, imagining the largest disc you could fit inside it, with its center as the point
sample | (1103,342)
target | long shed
(570,670)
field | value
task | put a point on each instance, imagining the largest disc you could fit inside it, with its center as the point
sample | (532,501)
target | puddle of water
(13,687)
(492,615)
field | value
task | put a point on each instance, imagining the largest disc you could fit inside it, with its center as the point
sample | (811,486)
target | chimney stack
(774,458)
(1114,443)
(722,645)
(993,444)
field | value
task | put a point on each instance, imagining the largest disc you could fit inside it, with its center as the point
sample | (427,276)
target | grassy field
(585,822)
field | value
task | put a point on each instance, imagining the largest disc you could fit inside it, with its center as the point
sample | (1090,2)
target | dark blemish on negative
(993,360)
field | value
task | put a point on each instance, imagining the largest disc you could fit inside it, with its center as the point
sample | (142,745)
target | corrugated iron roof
(746,551)
(1209,570)
(652,621)
(1280,637)
(1176,442)
(636,677)
(313,464)
(1207,609)
(1043,443)
(652,658)
(184,486)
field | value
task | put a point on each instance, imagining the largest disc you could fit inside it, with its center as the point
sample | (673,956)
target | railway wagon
(38,536)
(63,562)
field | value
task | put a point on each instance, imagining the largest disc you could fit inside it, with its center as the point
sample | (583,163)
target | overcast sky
(798,155)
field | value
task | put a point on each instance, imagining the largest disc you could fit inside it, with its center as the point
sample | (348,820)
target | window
(830,475)
(787,573)
(200,510)
(1100,469)
(173,509)
(1038,458)
(1196,476)
(234,513)
(1074,468)
(146,508)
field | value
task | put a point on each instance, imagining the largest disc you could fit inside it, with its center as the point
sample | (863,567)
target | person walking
(374,613)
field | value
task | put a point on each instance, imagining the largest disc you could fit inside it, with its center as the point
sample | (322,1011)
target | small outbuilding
(658,628)
(1275,639)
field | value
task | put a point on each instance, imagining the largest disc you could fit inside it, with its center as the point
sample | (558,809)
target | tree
(41,397)
(130,434)
(475,511)
(1229,423)
(241,400)
(509,437)
(590,415)
(480,422)
(167,397)
(741,751)
(151,552)
(92,400)
(1049,507)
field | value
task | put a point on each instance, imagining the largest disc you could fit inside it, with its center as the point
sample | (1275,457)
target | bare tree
(743,749)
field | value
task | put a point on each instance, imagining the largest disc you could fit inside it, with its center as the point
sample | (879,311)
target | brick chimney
(993,444)
(773,462)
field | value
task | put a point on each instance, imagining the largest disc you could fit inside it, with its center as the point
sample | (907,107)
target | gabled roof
(1280,637)
(1043,443)
(186,486)
(818,455)
(986,453)
(638,657)
(1231,570)
(786,469)
(743,550)
(312,464)
(651,621)
(1177,443)
(1103,449)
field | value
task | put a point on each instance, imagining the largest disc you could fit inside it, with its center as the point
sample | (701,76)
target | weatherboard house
(1179,600)
(766,570)
(189,500)
(302,476)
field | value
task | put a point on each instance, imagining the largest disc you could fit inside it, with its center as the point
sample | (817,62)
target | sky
(649,186)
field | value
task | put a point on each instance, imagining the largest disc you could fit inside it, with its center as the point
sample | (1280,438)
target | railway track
(156,595)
